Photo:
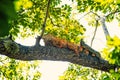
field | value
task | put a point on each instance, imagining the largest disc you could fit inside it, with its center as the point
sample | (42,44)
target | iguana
(51,40)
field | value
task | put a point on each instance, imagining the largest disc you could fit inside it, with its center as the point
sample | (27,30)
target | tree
(48,17)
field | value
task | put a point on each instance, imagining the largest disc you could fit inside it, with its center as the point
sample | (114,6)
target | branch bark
(28,53)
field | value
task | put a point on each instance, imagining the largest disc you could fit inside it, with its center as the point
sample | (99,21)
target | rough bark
(28,53)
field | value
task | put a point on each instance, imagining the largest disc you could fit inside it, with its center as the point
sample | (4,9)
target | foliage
(58,23)
(112,54)
(101,8)
(112,51)
(76,72)
(29,21)
(70,30)
(11,69)
(98,5)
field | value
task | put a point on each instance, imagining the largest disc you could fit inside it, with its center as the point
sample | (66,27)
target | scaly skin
(51,40)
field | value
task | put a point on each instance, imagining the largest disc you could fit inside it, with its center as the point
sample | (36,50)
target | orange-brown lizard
(50,40)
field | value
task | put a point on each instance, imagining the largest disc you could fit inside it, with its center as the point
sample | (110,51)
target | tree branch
(95,14)
(28,53)
(84,15)
(94,32)
(53,22)
(44,25)
(89,13)
(116,11)
(104,25)
(102,19)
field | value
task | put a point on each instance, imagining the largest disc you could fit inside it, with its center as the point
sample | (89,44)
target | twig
(53,22)
(2,61)
(89,13)
(95,14)
(44,25)
(84,15)
(116,11)
(94,32)
(102,19)
(96,24)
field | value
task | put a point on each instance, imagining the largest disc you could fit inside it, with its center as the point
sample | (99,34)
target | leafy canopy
(25,17)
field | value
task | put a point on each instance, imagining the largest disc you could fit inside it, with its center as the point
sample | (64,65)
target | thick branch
(57,54)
